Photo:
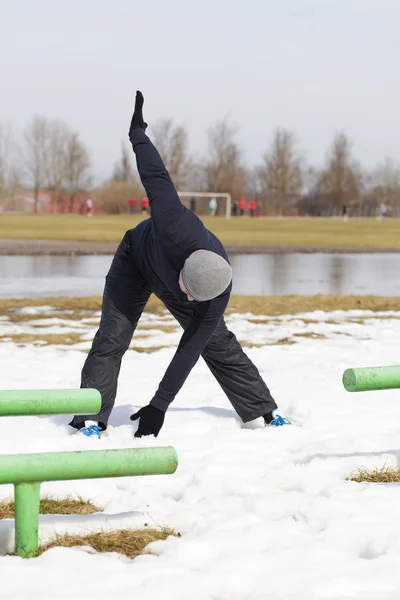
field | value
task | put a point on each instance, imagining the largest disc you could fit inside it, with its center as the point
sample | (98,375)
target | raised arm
(165,205)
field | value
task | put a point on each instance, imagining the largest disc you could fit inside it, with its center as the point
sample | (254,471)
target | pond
(254,274)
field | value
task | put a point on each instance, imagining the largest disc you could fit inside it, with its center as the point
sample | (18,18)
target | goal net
(199,202)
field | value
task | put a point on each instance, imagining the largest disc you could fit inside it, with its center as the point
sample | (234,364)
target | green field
(357,233)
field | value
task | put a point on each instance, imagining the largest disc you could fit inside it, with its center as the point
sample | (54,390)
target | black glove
(137,118)
(151,420)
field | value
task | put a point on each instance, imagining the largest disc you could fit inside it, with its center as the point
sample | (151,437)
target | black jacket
(160,246)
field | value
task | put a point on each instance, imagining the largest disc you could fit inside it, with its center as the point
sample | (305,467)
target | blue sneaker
(91,431)
(278,421)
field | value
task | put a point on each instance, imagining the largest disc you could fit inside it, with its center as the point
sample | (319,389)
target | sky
(313,66)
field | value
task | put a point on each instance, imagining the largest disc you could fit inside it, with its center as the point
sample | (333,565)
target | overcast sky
(314,66)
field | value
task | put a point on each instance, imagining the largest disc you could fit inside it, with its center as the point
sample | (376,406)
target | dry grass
(83,307)
(148,349)
(157,327)
(268,306)
(54,506)
(281,342)
(67,339)
(311,335)
(75,315)
(53,339)
(357,233)
(290,305)
(129,542)
(382,475)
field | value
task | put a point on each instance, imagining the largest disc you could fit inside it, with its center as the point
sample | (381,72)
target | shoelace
(92,430)
(278,421)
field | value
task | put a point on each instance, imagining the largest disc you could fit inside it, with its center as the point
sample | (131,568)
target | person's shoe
(91,431)
(276,420)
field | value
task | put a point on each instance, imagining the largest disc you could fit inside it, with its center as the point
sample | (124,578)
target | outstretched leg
(125,296)
(232,368)
(237,375)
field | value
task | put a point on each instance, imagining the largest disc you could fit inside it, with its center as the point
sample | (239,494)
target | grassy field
(357,233)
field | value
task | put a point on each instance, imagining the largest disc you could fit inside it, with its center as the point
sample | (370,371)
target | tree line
(51,157)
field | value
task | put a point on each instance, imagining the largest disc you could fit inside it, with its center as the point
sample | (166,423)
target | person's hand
(137,118)
(151,420)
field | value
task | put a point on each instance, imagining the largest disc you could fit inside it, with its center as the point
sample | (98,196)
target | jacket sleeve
(203,324)
(170,217)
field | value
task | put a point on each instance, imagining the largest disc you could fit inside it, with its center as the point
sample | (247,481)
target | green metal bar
(16,403)
(372,378)
(89,464)
(27,500)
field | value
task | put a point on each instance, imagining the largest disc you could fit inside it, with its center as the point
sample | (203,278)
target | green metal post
(27,500)
(372,378)
(16,403)
(26,470)
(89,464)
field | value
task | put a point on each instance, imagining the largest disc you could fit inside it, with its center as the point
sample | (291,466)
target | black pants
(125,296)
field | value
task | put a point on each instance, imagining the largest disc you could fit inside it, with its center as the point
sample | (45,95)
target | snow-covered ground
(263,513)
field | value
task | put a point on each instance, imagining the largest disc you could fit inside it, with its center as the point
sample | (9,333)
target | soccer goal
(224,201)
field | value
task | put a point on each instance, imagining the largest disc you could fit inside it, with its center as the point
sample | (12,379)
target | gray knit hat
(206,275)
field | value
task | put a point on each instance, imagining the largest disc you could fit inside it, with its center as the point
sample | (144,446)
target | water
(254,274)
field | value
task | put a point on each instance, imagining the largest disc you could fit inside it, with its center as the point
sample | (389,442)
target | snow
(263,513)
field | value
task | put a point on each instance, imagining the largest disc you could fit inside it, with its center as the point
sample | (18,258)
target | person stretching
(172,255)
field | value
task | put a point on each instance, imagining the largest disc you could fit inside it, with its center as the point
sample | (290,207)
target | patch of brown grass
(75,315)
(158,327)
(290,305)
(81,306)
(382,475)
(54,506)
(282,342)
(65,339)
(258,305)
(311,335)
(148,350)
(130,542)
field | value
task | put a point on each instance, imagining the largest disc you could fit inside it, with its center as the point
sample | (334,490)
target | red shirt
(145,203)
(242,203)
(131,201)
(252,205)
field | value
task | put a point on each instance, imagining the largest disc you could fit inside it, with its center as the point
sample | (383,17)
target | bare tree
(172,143)
(10,181)
(341,179)
(280,174)
(123,170)
(78,177)
(224,170)
(385,185)
(35,153)
(57,162)
(195,179)
(112,196)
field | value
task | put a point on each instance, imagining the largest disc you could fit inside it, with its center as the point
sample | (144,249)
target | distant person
(234,209)
(89,206)
(345,213)
(242,206)
(252,208)
(145,206)
(212,206)
(193,205)
(382,211)
(131,204)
